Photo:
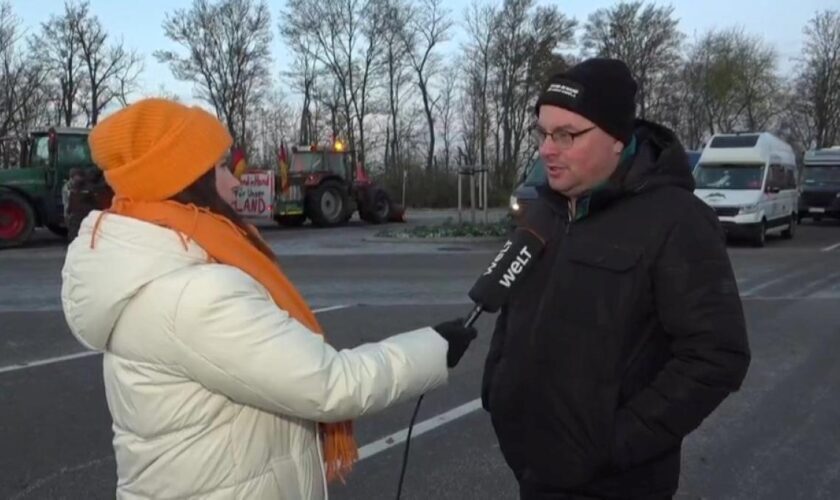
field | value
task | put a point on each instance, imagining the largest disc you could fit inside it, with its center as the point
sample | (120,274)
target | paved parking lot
(776,438)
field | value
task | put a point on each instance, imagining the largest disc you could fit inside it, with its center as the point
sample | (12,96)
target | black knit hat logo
(601,90)
(568,89)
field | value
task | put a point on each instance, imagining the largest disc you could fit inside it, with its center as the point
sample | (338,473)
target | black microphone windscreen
(518,254)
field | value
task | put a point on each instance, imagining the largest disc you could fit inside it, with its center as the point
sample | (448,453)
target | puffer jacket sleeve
(698,304)
(237,342)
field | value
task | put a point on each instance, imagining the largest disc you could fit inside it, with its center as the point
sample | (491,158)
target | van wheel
(790,232)
(760,237)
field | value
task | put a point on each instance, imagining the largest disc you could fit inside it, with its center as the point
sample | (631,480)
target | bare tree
(303,78)
(818,82)
(427,27)
(645,37)
(481,21)
(524,57)
(687,112)
(344,36)
(735,76)
(329,96)
(111,70)
(373,25)
(797,123)
(397,70)
(760,87)
(23,86)
(227,55)
(446,108)
(272,124)
(58,50)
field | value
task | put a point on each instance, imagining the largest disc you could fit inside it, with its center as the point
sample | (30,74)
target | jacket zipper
(570,210)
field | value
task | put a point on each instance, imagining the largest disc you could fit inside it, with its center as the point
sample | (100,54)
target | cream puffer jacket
(214,391)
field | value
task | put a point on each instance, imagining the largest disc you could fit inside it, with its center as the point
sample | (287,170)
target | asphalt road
(776,438)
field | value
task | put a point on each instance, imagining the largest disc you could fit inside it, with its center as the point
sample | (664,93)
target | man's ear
(618,147)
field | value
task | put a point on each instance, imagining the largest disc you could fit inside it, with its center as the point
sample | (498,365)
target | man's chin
(561,186)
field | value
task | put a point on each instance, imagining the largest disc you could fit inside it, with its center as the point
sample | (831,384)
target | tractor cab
(34,177)
(318,184)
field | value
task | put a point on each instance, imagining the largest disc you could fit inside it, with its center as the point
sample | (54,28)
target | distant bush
(449,229)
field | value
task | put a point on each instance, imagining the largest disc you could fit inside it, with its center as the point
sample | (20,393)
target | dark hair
(203,193)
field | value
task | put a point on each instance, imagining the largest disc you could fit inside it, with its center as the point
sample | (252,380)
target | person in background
(216,372)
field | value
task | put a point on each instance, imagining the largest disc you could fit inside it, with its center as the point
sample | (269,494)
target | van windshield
(827,174)
(728,176)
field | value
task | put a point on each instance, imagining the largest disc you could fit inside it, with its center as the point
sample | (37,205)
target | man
(629,331)
(84,191)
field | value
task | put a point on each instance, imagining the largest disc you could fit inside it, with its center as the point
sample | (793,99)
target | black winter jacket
(627,333)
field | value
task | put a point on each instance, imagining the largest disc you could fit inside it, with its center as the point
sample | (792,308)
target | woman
(216,375)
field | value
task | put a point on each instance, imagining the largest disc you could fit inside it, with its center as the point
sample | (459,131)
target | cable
(407,445)
(468,323)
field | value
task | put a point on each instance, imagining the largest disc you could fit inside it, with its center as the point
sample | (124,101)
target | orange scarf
(226,243)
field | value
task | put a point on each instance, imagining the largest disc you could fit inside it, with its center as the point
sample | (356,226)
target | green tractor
(33,179)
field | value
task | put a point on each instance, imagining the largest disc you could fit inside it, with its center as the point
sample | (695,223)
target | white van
(750,181)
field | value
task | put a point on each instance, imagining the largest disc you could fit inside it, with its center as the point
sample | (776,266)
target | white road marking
(767,284)
(332,308)
(48,361)
(421,428)
(832,247)
(85,354)
(61,472)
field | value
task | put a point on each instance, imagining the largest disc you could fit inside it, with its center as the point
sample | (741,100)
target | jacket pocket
(599,285)
(611,258)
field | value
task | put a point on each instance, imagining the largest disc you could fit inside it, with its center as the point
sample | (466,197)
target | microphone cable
(474,314)
(408,445)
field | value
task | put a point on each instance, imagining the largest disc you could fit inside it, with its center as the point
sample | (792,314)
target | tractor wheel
(290,220)
(327,204)
(378,210)
(17,219)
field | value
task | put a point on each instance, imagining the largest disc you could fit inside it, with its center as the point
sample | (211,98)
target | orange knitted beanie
(155,148)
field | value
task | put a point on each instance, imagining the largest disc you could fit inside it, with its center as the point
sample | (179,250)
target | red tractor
(327,185)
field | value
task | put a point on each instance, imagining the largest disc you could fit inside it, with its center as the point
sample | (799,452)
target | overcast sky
(139,22)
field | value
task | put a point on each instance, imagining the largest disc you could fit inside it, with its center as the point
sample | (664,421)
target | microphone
(493,288)
(517,256)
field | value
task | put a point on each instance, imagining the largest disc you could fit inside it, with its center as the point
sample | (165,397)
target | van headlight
(748,209)
(514,204)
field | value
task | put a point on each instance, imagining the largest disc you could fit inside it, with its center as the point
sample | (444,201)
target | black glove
(459,338)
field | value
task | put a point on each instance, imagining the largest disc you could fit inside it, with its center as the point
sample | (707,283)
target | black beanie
(601,90)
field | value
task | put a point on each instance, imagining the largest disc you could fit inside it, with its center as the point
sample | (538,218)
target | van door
(774,190)
(790,199)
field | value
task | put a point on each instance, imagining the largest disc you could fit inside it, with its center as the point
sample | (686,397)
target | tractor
(33,180)
(327,185)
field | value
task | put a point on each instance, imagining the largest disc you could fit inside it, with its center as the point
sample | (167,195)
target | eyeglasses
(561,138)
